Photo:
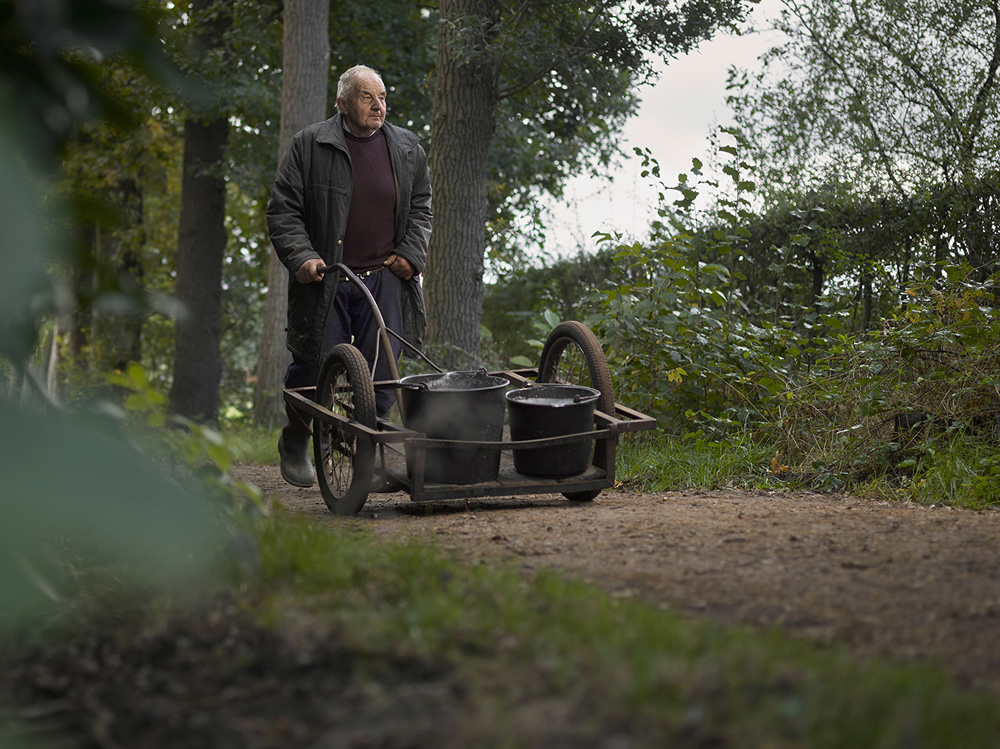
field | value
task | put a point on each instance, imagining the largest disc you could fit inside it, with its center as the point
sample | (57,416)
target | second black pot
(552,410)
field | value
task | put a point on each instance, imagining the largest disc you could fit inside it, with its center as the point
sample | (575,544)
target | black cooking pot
(551,410)
(467,406)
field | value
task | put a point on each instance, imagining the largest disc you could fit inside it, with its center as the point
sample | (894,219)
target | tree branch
(539,73)
(989,84)
(848,80)
(908,62)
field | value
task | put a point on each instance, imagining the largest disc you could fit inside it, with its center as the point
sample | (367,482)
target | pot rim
(523,396)
(419,382)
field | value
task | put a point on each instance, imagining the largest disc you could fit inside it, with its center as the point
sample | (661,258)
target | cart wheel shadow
(401,505)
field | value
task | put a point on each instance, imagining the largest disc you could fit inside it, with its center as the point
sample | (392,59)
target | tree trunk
(306,62)
(201,250)
(84,283)
(904,276)
(465,104)
(272,356)
(201,241)
(117,337)
(818,276)
(866,301)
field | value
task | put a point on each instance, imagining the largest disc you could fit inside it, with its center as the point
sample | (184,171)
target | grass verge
(251,444)
(599,666)
(946,469)
(666,463)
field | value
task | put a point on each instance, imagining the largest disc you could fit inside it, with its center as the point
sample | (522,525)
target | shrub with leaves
(912,397)
(717,334)
(191,447)
(683,341)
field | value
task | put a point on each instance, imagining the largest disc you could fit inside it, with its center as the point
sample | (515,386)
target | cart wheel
(344,464)
(572,355)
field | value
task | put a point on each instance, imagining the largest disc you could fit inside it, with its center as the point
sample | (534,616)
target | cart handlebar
(383,331)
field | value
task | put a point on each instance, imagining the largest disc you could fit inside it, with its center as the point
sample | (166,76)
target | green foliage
(954,469)
(250,443)
(567,84)
(882,115)
(521,308)
(187,444)
(787,331)
(73,475)
(78,492)
(915,400)
(881,93)
(681,337)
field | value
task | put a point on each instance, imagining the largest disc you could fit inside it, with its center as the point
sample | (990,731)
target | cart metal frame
(399,453)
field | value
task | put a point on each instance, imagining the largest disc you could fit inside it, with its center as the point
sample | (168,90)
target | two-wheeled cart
(356,452)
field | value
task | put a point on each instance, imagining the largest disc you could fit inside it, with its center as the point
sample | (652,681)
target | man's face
(365,112)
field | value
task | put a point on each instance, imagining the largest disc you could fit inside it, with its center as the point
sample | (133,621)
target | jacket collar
(332,131)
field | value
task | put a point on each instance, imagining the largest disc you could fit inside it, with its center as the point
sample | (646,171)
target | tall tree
(465,106)
(306,69)
(201,242)
(560,58)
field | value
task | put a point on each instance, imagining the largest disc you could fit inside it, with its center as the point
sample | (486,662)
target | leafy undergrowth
(341,640)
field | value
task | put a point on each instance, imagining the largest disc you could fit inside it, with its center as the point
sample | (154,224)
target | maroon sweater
(371,222)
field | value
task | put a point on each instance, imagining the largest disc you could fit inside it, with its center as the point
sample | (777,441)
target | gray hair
(347,86)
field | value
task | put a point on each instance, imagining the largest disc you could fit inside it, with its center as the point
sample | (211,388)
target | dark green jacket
(307,218)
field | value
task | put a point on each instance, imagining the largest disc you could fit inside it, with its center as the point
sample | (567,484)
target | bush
(911,398)
(915,400)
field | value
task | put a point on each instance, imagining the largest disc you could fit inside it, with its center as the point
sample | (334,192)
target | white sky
(675,119)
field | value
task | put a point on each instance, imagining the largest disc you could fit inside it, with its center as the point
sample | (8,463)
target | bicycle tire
(345,464)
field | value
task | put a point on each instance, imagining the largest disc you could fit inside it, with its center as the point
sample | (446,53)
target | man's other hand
(308,272)
(399,266)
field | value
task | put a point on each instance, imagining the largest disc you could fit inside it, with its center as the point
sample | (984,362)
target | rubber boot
(293,447)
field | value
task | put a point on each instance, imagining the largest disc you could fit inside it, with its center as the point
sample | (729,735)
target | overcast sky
(674,122)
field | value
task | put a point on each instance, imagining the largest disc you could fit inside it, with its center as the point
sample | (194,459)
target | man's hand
(308,272)
(399,266)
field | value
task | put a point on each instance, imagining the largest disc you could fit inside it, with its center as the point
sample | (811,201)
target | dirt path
(908,581)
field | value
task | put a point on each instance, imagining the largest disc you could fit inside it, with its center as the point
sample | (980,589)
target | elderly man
(353,190)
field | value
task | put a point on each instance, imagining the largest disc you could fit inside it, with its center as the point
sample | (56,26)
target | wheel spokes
(338,448)
(571,367)
(338,457)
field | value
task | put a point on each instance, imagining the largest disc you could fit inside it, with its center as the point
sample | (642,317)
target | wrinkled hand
(308,272)
(399,266)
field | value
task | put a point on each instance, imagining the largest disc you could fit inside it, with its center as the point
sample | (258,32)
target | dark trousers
(350,320)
